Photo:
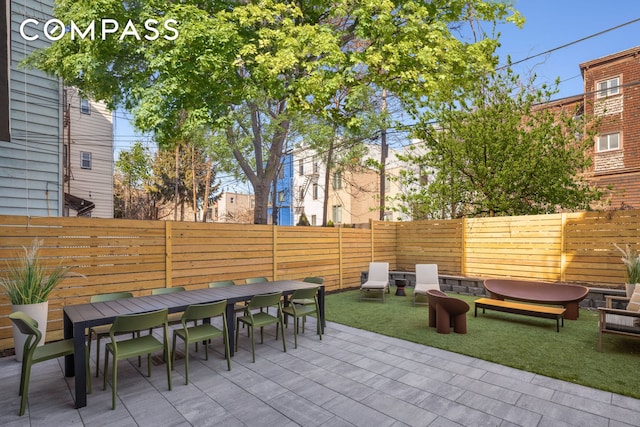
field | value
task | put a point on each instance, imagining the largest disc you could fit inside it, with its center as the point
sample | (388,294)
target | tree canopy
(501,150)
(245,68)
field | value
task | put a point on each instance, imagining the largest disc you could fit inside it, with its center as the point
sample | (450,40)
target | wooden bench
(520,308)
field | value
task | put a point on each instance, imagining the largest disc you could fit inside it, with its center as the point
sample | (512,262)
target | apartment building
(87,157)
(234,208)
(612,92)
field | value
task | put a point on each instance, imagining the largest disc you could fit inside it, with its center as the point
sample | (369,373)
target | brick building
(612,92)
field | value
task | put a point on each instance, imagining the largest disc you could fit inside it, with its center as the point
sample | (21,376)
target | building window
(608,142)
(281,173)
(336,214)
(301,167)
(315,191)
(85,160)
(315,164)
(337,180)
(608,87)
(301,193)
(314,220)
(280,196)
(231,200)
(85,107)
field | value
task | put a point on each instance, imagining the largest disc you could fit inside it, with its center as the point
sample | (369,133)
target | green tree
(503,150)
(133,176)
(245,68)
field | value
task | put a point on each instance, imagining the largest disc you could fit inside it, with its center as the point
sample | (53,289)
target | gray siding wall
(30,164)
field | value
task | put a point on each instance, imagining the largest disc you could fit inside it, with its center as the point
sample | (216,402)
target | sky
(550,25)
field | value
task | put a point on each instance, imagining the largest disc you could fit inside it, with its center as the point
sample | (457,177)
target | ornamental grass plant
(631,260)
(28,281)
(522,342)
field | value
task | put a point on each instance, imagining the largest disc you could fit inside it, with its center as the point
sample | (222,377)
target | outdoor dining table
(78,318)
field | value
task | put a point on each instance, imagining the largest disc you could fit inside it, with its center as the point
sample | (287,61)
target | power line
(546,52)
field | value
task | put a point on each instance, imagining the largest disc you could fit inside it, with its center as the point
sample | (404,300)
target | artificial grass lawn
(522,342)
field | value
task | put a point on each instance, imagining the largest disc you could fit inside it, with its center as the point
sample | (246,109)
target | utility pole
(384,150)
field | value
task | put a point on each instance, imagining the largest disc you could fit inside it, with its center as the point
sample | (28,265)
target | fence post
(463,244)
(340,257)
(168,253)
(563,249)
(371,225)
(274,254)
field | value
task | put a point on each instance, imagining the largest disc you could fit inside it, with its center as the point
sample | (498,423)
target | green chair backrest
(137,322)
(222,284)
(28,326)
(202,311)
(160,291)
(304,293)
(314,279)
(110,297)
(265,300)
(256,280)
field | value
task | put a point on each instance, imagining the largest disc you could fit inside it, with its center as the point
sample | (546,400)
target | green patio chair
(201,333)
(103,330)
(302,310)
(261,319)
(256,280)
(35,354)
(137,346)
(222,284)
(309,279)
(174,318)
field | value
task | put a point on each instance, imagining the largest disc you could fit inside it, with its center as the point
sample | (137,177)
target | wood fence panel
(591,255)
(118,255)
(430,242)
(384,243)
(307,251)
(527,247)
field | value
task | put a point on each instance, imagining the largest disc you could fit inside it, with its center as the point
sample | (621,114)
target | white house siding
(30,163)
(91,133)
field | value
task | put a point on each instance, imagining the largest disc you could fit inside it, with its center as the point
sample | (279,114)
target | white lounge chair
(426,279)
(377,281)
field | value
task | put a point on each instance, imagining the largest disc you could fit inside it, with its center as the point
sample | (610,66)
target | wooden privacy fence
(117,255)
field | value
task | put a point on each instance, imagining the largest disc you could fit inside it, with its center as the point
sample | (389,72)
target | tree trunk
(327,183)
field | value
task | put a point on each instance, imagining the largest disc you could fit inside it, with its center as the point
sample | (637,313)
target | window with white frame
(608,87)
(301,167)
(315,191)
(85,160)
(608,142)
(85,107)
(336,214)
(314,220)
(337,180)
(301,193)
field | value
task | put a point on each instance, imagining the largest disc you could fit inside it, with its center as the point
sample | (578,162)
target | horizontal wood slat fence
(118,255)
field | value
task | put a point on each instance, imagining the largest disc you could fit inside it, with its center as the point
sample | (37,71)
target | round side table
(400,285)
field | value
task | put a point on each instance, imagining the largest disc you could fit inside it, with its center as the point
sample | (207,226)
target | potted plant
(631,260)
(28,284)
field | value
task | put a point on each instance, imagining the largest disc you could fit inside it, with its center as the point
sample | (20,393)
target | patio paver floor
(350,378)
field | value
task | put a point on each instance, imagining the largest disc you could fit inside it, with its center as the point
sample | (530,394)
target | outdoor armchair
(136,346)
(446,312)
(624,322)
(103,330)
(35,354)
(256,280)
(302,310)
(377,281)
(260,319)
(426,279)
(203,332)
